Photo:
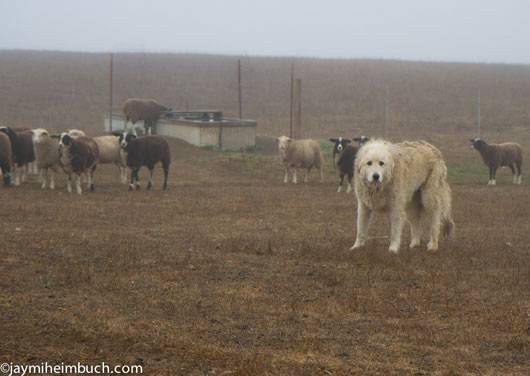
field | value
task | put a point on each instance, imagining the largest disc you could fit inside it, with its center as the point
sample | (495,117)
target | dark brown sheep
(6,158)
(509,154)
(23,152)
(148,110)
(145,151)
(79,156)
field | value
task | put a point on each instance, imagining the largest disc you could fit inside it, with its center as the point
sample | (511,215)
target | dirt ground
(230,271)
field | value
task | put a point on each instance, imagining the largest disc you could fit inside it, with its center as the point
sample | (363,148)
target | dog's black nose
(376,176)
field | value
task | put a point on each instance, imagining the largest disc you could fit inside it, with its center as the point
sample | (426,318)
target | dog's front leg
(397,216)
(363,221)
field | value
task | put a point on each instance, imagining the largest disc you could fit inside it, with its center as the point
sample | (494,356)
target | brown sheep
(509,154)
(148,110)
(145,151)
(6,158)
(23,152)
(79,156)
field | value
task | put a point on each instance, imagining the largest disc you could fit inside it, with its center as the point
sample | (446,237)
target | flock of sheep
(77,155)
(408,180)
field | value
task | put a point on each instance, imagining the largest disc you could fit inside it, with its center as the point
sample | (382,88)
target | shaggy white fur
(409,181)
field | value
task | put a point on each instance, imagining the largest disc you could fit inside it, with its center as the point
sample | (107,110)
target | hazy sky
(448,30)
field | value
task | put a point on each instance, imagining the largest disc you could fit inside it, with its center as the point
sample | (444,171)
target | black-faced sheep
(6,158)
(78,156)
(46,155)
(148,110)
(111,152)
(23,153)
(346,152)
(509,154)
(145,151)
(304,154)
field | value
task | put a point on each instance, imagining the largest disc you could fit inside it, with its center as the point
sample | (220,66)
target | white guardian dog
(408,181)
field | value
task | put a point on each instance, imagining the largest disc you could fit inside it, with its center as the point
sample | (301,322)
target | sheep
(79,155)
(362,140)
(47,155)
(300,154)
(23,153)
(111,152)
(145,151)
(75,133)
(6,158)
(148,110)
(509,154)
(347,153)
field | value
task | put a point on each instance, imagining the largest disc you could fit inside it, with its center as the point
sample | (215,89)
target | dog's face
(375,164)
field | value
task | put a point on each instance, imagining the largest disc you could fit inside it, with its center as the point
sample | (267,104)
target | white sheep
(111,152)
(46,155)
(304,154)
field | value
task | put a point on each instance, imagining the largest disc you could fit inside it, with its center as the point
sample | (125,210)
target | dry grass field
(232,272)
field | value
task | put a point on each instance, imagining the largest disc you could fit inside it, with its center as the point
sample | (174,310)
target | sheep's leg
(78,185)
(123,174)
(25,169)
(52,179)
(16,173)
(513,168)
(321,174)
(150,182)
(348,190)
(69,183)
(295,181)
(286,176)
(166,173)
(44,175)
(519,173)
(131,185)
(493,175)
(307,171)
(341,179)
(363,221)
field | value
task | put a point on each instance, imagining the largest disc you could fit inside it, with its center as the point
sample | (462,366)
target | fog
(448,30)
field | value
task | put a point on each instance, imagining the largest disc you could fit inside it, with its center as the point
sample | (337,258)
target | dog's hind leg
(414,218)
(433,212)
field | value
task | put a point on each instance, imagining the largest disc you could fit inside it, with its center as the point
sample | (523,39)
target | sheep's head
(283,145)
(125,138)
(362,140)
(66,139)
(340,144)
(40,135)
(477,143)
(75,133)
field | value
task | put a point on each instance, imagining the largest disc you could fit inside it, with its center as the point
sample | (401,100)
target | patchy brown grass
(232,272)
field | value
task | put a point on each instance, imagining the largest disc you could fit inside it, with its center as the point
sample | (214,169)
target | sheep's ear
(333,139)
(289,140)
(54,135)
(117,134)
(346,140)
